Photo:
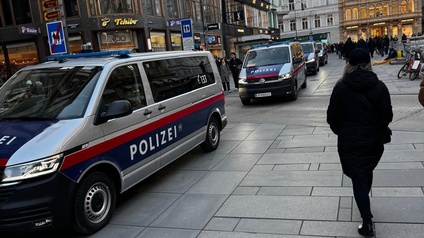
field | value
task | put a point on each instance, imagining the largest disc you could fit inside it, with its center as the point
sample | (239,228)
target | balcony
(282,10)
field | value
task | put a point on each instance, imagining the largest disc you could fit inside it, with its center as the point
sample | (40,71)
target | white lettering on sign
(153,142)
(6,140)
(263,70)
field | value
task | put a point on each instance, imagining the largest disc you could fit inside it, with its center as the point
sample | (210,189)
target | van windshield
(307,48)
(267,56)
(319,46)
(48,94)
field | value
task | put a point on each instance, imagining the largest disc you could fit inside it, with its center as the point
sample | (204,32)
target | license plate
(261,95)
(415,65)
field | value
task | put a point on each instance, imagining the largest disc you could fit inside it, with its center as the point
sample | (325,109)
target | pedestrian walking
(371,46)
(224,72)
(347,48)
(359,113)
(235,66)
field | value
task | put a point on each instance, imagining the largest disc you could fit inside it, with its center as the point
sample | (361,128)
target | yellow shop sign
(125,21)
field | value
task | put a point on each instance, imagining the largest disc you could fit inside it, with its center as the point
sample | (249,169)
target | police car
(78,130)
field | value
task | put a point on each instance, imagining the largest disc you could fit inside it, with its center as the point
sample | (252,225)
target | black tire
(402,72)
(305,84)
(293,94)
(212,136)
(94,203)
(414,74)
(245,102)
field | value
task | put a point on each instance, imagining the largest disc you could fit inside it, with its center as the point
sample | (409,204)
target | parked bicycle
(413,64)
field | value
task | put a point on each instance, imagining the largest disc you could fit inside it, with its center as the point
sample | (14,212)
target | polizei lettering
(6,140)
(152,142)
(263,70)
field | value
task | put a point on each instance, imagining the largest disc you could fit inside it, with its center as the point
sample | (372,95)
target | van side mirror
(116,109)
(297,60)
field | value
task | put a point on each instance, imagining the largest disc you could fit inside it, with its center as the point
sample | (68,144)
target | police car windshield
(319,46)
(307,48)
(267,56)
(50,93)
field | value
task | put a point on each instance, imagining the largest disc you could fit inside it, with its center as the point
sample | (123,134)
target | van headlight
(310,60)
(320,54)
(32,169)
(242,80)
(285,76)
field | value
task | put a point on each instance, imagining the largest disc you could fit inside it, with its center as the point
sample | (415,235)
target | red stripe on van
(91,152)
(261,76)
(3,162)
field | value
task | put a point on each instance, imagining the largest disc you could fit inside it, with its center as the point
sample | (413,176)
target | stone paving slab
(113,231)
(221,234)
(292,178)
(269,226)
(218,182)
(280,207)
(163,232)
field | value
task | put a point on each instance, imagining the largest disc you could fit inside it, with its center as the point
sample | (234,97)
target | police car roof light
(122,53)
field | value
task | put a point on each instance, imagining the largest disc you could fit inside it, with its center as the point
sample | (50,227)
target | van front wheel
(212,136)
(94,203)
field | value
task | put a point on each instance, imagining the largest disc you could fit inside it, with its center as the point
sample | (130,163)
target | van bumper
(311,66)
(37,204)
(277,89)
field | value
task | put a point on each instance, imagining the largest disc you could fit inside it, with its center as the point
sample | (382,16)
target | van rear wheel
(94,203)
(212,136)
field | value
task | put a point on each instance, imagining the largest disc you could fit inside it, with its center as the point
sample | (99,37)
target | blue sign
(186,28)
(211,38)
(56,37)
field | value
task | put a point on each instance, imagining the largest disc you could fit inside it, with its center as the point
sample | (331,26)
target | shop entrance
(378,31)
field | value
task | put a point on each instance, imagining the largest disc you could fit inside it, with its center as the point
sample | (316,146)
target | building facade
(309,19)
(142,25)
(373,18)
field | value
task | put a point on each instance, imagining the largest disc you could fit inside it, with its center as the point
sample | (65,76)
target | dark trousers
(361,189)
(226,86)
(235,74)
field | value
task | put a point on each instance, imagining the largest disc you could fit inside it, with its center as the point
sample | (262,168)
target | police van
(272,70)
(78,130)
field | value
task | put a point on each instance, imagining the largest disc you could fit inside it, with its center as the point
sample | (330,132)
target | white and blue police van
(79,130)
(277,69)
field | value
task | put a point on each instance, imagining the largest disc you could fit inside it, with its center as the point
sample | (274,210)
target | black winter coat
(359,110)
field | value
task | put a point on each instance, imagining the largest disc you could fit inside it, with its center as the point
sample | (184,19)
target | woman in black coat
(359,113)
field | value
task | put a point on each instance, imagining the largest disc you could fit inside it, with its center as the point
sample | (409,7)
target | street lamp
(295,14)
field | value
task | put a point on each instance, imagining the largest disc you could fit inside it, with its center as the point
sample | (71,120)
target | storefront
(158,41)
(20,55)
(117,40)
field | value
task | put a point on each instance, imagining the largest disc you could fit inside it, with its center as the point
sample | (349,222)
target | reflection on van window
(124,84)
(307,48)
(172,77)
(51,93)
(267,56)
(319,46)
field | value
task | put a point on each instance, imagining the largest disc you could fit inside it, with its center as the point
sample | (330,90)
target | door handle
(161,107)
(147,112)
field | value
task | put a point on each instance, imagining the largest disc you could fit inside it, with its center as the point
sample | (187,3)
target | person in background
(217,61)
(421,93)
(359,113)
(224,72)
(235,66)
(371,46)
(347,48)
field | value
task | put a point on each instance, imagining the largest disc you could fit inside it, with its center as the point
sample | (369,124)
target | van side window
(125,84)
(172,77)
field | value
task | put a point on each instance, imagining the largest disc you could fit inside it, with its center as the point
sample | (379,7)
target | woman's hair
(349,68)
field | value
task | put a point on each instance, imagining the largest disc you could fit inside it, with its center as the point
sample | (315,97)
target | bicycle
(413,65)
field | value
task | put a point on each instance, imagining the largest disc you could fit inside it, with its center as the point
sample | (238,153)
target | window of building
(3,69)
(153,7)
(158,41)
(395,7)
(371,11)
(355,13)
(348,14)
(176,42)
(117,40)
(105,7)
(330,20)
(212,12)
(71,8)
(386,9)
(158,8)
(173,77)
(172,7)
(235,13)
(403,7)
(317,21)
(281,26)
(411,6)
(304,23)
(15,12)
(363,12)
(291,5)
(293,25)
(378,10)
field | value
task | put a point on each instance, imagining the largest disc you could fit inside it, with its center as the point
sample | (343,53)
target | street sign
(51,15)
(50,4)
(187,34)
(214,26)
(56,37)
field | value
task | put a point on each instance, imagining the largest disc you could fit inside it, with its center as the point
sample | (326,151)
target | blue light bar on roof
(91,54)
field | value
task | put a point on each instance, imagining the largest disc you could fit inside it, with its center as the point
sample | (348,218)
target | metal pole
(295,21)
(202,6)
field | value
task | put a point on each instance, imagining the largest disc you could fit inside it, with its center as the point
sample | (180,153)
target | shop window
(3,70)
(75,43)
(22,55)
(158,41)
(71,8)
(176,42)
(117,40)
